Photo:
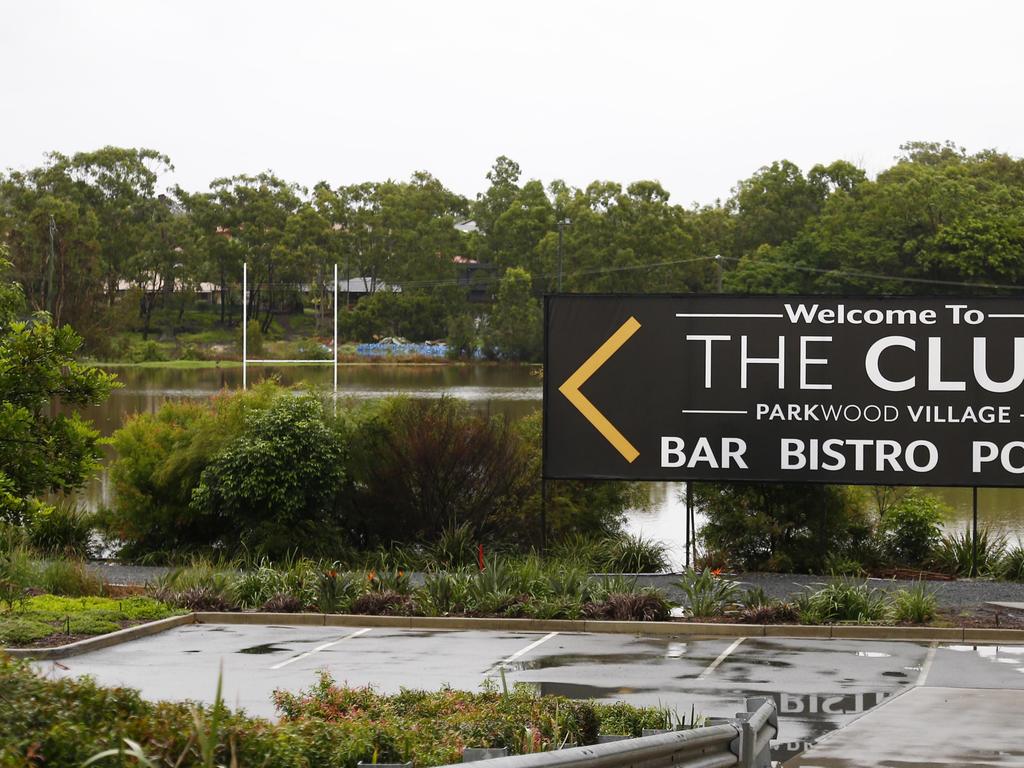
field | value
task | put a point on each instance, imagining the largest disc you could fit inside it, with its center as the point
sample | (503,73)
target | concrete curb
(677,628)
(797,631)
(101,641)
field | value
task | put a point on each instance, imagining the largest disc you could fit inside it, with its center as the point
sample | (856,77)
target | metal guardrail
(741,741)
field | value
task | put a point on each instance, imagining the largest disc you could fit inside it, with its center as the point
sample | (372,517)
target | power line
(874,276)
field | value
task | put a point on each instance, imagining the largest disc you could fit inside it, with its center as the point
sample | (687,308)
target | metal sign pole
(689,507)
(974,532)
(245,325)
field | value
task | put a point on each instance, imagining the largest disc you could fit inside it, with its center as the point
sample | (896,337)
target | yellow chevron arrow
(571,389)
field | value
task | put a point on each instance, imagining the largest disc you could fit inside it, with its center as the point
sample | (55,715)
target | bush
(780,527)
(707,594)
(62,529)
(274,487)
(513,330)
(18,574)
(70,578)
(636,554)
(1011,566)
(842,600)
(916,605)
(426,466)
(911,528)
(956,553)
(22,631)
(160,458)
(461,336)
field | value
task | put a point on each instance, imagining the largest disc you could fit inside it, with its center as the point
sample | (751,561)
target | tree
(274,486)
(513,330)
(42,450)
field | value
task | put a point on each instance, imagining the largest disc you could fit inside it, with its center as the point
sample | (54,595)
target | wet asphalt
(819,685)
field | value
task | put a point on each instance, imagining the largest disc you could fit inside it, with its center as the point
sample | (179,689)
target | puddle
(894,674)
(675,650)
(193,651)
(577,691)
(873,654)
(264,648)
(571,659)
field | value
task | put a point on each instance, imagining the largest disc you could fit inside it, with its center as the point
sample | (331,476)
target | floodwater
(514,391)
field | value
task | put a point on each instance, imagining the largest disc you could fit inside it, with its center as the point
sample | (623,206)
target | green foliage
(780,527)
(273,487)
(461,337)
(62,529)
(1011,566)
(424,466)
(69,578)
(916,605)
(42,449)
(160,459)
(707,594)
(43,616)
(622,553)
(910,528)
(18,574)
(415,315)
(957,554)
(843,600)
(513,330)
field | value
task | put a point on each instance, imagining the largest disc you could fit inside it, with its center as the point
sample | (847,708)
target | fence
(741,741)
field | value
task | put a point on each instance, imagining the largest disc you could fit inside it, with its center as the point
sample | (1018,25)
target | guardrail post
(757,727)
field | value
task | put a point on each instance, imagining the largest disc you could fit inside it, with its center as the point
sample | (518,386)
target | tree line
(82,228)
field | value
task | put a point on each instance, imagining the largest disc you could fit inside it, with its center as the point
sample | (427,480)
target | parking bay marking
(721,657)
(522,651)
(926,667)
(323,647)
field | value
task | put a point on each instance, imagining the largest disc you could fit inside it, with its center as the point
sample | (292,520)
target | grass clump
(955,553)
(917,605)
(843,600)
(708,594)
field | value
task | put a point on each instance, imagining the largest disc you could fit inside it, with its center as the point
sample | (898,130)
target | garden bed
(46,621)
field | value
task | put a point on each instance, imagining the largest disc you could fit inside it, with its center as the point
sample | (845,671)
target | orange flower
(371,576)
(716,571)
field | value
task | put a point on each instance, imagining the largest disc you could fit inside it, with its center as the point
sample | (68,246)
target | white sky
(696,95)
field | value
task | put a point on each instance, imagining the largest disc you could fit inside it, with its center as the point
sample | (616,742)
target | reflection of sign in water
(820,708)
(895,391)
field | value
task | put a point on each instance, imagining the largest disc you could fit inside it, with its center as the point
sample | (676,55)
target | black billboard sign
(878,390)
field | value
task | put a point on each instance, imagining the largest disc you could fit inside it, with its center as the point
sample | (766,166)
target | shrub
(646,605)
(424,466)
(336,590)
(916,605)
(956,553)
(62,529)
(382,603)
(707,594)
(160,458)
(1011,566)
(911,528)
(70,578)
(780,527)
(18,574)
(635,554)
(842,600)
(274,487)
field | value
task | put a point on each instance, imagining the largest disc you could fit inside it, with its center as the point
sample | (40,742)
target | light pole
(561,225)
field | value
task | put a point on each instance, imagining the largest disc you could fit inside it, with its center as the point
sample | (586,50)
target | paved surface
(819,685)
(962,594)
(928,727)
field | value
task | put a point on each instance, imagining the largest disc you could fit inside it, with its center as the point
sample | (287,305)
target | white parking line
(521,651)
(922,676)
(319,648)
(721,657)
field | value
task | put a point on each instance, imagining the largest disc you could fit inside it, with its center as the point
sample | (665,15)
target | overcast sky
(696,95)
